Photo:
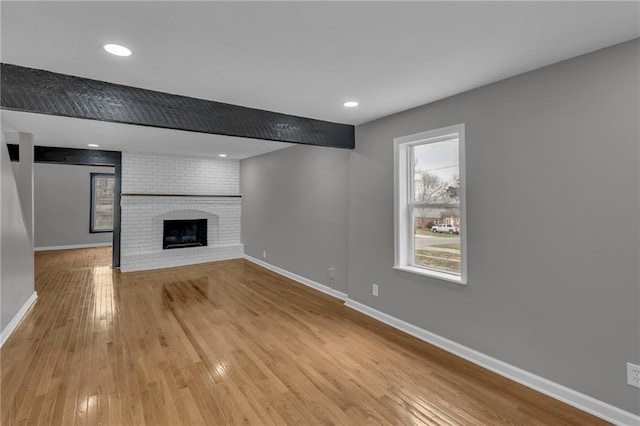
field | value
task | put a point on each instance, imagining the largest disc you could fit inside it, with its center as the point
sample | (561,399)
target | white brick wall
(143,216)
(179,174)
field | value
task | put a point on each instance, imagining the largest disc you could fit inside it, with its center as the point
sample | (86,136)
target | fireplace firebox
(184,233)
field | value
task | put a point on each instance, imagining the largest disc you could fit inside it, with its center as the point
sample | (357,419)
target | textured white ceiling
(307,58)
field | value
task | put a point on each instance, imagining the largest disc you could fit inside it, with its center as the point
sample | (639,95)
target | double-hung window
(430,225)
(102,196)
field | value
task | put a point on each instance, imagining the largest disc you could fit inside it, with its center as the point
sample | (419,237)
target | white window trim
(403,240)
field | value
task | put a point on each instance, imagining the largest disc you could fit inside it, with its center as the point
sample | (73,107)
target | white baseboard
(557,391)
(302,280)
(73,246)
(569,396)
(9,329)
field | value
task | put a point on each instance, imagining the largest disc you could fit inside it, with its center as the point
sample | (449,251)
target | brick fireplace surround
(159,187)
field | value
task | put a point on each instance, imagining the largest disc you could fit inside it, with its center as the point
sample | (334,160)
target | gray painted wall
(24,179)
(552,156)
(295,207)
(62,205)
(16,253)
(552,159)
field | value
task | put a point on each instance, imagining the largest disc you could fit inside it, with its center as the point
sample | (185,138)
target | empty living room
(319,213)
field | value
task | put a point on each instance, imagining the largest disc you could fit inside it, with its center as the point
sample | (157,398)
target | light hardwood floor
(230,343)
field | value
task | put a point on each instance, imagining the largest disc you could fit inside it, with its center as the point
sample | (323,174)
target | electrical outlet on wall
(264,254)
(633,375)
(332,273)
(374,289)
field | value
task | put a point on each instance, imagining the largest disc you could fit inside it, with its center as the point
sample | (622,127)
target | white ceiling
(300,58)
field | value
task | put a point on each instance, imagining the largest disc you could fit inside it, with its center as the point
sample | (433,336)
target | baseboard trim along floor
(10,328)
(302,280)
(569,396)
(557,391)
(73,246)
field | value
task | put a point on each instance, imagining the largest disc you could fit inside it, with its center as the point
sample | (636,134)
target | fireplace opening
(184,233)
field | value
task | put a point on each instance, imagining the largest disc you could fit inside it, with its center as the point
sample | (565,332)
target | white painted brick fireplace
(159,187)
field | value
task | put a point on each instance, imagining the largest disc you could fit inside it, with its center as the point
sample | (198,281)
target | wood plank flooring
(230,343)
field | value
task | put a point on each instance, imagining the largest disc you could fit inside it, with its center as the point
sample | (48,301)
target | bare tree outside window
(436,212)
(429,187)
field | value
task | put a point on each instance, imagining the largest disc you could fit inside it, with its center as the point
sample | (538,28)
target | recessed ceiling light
(222,155)
(93,145)
(116,49)
(350,104)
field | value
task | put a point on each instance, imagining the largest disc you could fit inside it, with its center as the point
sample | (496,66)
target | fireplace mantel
(182,195)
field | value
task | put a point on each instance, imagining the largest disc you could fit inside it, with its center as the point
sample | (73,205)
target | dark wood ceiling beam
(78,157)
(44,92)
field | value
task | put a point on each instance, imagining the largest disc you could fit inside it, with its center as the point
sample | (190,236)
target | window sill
(432,274)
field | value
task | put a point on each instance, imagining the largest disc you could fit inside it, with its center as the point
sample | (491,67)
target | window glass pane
(436,172)
(103,203)
(436,236)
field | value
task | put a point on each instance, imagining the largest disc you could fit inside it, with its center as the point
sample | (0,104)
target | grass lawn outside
(454,246)
(442,261)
